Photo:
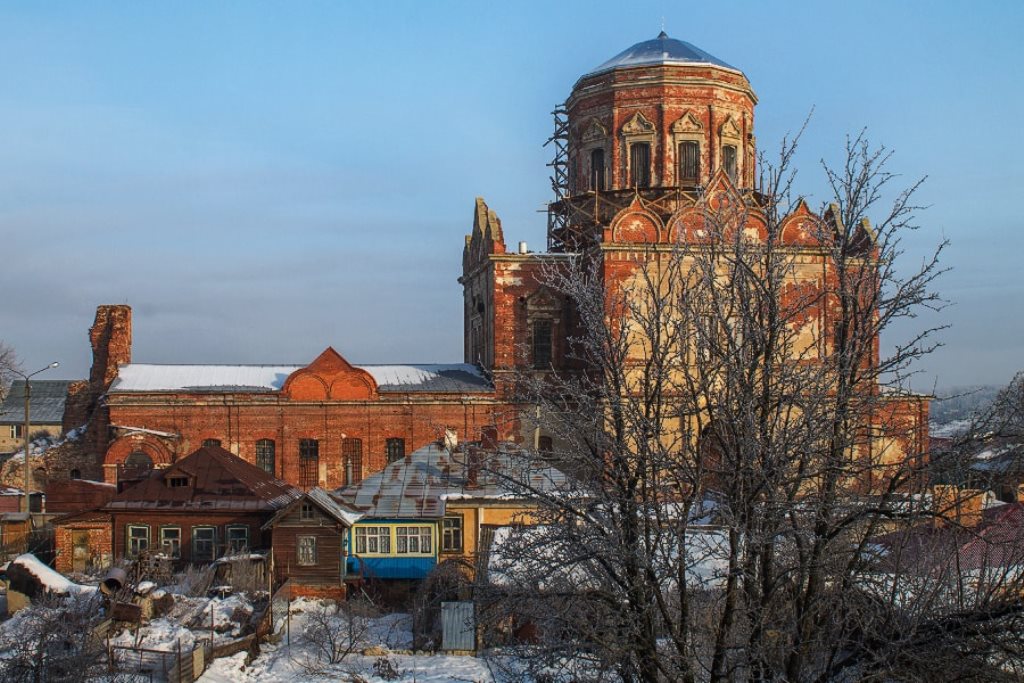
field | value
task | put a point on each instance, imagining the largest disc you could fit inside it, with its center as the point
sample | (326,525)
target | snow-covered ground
(297,662)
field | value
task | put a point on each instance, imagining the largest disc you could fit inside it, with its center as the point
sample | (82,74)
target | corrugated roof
(47,402)
(146,377)
(419,485)
(218,480)
(325,502)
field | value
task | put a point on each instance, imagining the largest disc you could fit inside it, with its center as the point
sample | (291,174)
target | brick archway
(124,446)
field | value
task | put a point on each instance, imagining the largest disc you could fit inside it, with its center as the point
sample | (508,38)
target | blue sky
(260,180)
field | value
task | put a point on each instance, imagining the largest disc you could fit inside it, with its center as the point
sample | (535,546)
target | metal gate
(458,626)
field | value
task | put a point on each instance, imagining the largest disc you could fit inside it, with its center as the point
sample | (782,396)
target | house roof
(323,500)
(218,480)
(47,402)
(151,378)
(996,541)
(420,485)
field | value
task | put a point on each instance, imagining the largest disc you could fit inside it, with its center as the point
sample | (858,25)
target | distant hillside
(960,403)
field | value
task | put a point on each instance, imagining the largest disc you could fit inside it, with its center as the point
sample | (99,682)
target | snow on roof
(53,581)
(147,377)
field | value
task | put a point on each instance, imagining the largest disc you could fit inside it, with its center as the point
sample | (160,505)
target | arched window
(352,460)
(265,451)
(640,164)
(396,449)
(211,442)
(139,461)
(729,161)
(689,163)
(309,463)
(597,169)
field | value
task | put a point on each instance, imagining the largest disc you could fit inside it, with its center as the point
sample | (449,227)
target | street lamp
(28,425)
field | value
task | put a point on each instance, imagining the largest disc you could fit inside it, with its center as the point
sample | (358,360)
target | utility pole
(27,483)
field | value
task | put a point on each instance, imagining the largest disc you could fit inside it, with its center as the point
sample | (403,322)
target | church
(644,144)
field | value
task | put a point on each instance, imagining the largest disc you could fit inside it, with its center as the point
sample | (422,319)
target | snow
(53,581)
(144,587)
(285,662)
(151,377)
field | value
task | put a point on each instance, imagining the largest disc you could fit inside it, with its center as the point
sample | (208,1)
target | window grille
(396,449)
(352,457)
(265,452)
(309,463)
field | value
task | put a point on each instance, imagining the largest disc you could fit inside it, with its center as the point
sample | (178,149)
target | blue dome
(661,50)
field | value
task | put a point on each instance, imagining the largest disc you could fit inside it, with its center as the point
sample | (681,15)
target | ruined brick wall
(100,544)
(77,405)
(240,420)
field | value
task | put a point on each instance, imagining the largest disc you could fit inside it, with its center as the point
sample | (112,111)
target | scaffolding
(558,219)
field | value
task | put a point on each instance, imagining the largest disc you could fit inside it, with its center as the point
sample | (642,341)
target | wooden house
(430,507)
(207,505)
(309,544)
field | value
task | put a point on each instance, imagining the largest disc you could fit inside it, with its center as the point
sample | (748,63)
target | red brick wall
(100,542)
(239,421)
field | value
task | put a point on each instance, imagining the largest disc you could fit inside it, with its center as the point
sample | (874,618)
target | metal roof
(218,480)
(47,402)
(325,502)
(430,378)
(661,50)
(419,485)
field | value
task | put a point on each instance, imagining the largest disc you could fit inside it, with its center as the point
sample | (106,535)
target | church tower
(657,121)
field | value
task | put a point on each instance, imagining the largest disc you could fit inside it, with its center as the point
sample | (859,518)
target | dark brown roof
(217,480)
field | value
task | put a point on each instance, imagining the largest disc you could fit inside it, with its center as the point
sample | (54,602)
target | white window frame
(373,540)
(414,540)
(231,542)
(305,551)
(175,553)
(133,549)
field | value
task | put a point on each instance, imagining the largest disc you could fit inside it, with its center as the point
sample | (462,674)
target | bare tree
(55,639)
(737,443)
(8,363)
(335,631)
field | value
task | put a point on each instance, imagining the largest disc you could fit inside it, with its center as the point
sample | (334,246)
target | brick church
(645,143)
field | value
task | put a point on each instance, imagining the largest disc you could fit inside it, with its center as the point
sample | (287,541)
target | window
(411,540)
(170,541)
(204,541)
(139,460)
(309,463)
(689,163)
(211,442)
(238,539)
(307,512)
(451,535)
(729,160)
(541,344)
(177,482)
(352,459)
(138,540)
(373,539)
(265,455)
(16,432)
(545,445)
(306,550)
(396,449)
(640,164)
(75,474)
(597,169)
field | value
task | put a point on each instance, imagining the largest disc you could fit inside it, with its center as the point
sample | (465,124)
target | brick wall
(100,543)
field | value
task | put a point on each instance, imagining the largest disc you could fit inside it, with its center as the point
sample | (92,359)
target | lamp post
(28,399)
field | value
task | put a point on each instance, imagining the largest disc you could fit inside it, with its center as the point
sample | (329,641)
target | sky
(261,180)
